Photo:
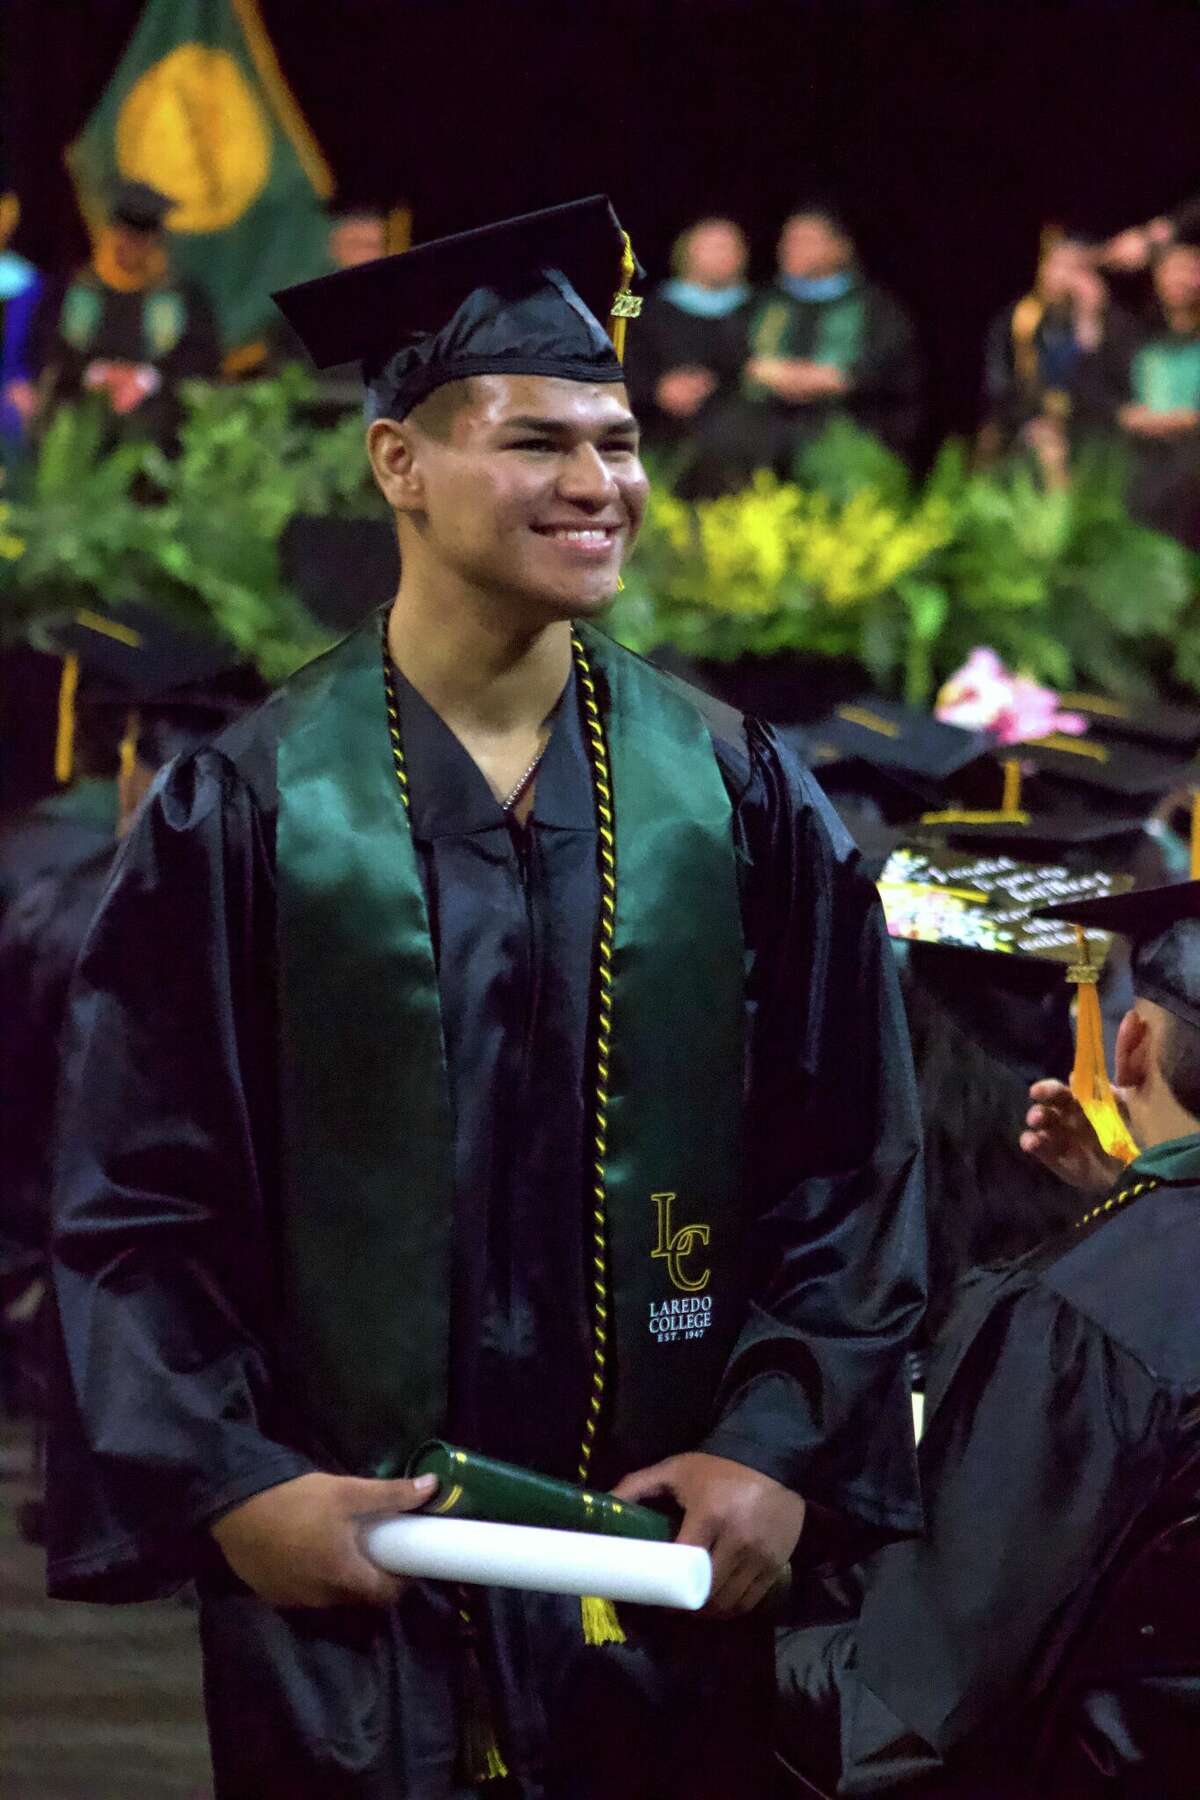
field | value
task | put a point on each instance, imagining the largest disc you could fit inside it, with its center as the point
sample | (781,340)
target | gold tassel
(1010,802)
(1089,1077)
(626,305)
(479,1751)
(1194,869)
(64,742)
(600,1622)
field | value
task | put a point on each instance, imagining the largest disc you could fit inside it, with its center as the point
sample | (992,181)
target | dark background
(948,130)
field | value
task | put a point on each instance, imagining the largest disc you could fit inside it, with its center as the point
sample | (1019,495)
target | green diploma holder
(478,1487)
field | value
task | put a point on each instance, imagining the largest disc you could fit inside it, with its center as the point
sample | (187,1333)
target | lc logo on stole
(680,1320)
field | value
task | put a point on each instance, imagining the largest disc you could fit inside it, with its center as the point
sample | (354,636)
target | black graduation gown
(1062,1396)
(665,338)
(41,934)
(56,834)
(169,1405)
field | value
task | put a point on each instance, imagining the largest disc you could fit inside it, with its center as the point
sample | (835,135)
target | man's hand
(1060,1136)
(298,1544)
(748,1523)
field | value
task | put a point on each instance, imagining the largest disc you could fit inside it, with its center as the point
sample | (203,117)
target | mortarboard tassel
(626,305)
(64,742)
(1089,1077)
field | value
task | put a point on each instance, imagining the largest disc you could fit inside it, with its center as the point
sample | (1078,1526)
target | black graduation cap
(973,941)
(1159,723)
(901,741)
(987,902)
(1163,926)
(523,297)
(139,205)
(182,686)
(1122,770)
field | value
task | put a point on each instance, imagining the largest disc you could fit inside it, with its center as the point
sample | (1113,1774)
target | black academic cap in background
(131,657)
(144,208)
(901,740)
(182,686)
(1163,927)
(1124,771)
(528,296)
(1162,724)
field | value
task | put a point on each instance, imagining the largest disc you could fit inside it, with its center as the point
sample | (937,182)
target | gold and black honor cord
(598,1617)
(1120,1198)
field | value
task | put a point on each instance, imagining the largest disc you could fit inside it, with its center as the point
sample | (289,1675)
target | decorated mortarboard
(1163,927)
(528,296)
(137,204)
(988,903)
(993,910)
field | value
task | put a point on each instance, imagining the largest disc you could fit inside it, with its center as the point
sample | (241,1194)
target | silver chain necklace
(527,777)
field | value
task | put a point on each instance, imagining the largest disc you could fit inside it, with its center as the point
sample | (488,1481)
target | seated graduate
(1061,1399)
(451,1022)
(690,342)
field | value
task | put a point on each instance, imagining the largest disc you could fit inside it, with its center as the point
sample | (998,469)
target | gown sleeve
(162,1412)
(1044,1439)
(816,1392)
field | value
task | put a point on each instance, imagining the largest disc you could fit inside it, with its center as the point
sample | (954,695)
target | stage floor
(96,1702)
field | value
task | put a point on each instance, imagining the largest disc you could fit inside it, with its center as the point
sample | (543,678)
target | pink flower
(985,696)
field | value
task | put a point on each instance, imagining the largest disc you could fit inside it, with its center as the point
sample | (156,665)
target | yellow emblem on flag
(192,127)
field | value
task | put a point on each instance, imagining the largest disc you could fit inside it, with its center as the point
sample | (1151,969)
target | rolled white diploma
(542,1561)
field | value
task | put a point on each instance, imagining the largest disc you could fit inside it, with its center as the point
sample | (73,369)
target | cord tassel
(600,1622)
(479,1751)
(1089,1077)
(626,305)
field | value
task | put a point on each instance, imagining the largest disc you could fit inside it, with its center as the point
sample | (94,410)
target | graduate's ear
(1133,1049)
(394,447)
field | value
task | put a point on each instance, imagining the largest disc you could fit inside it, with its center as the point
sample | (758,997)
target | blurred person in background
(20,286)
(691,340)
(1048,362)
(823,341)
(157,694)
(1160,416)
(124,327)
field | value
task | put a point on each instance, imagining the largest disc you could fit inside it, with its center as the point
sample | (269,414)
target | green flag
(199,109)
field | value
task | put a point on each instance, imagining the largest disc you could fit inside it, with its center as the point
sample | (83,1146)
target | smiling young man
(482,1040)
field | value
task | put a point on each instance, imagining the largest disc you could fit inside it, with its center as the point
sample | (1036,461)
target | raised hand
(1058,1135)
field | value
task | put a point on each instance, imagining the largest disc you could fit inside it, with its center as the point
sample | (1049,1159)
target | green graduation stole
(367,1130)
